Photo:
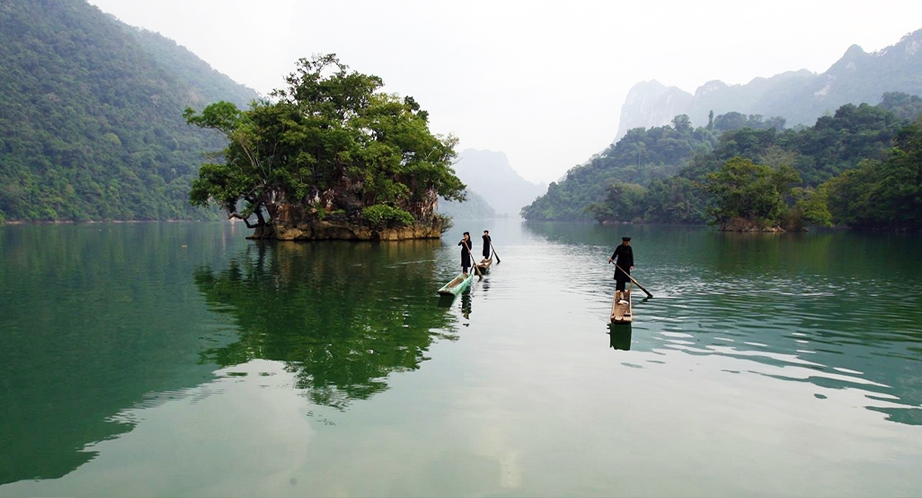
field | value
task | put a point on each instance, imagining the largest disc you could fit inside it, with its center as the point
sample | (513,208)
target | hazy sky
(542,81)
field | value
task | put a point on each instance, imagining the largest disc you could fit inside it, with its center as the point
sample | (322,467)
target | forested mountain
(91,124)
(758,176)
(638,158)
(799,96)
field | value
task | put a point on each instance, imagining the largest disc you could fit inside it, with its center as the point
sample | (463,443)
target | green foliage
(91,127)
(333,138)
(834,144)
(810,207)
(445,222)
(640,157)
(624,202)
(339,340)
(323,214)
(884,194)
(737,121)
(675,200)
(759,173)
(382,215)
(756,193)
(904,106)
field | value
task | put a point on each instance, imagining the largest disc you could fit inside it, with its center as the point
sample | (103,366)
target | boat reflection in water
(464,300)
(620,336)
(446,300)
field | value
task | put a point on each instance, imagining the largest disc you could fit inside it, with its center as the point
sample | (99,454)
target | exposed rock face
(294,222)
(650,103)
(744,225)
(798,96)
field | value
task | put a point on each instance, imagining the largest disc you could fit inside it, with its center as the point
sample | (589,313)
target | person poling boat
(467,255)
(487,260)
(624,263)
(465,252)
(488,250)
(463,280)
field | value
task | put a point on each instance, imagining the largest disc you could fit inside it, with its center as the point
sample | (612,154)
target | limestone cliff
(293,222)
(800,97)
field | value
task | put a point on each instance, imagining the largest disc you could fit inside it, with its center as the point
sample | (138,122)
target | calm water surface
(184,360)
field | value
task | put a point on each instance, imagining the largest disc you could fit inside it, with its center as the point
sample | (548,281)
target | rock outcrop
(296,223)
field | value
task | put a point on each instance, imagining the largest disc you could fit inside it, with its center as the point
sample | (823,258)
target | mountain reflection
(342,316)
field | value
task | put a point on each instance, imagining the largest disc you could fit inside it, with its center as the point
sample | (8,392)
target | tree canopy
(331,141)
(882,194)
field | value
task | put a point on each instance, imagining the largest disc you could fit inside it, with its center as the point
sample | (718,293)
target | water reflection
(93,318)
(830,339)
(796,307)
(620,336)
(466,305)
(342,316)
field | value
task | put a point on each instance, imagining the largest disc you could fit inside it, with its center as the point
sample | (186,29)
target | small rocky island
(329,157)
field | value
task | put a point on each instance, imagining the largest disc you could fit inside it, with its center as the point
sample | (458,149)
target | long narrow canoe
(622,310)
(457,285)
(485,264)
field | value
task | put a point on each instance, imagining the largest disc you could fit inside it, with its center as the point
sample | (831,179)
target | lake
(180,359)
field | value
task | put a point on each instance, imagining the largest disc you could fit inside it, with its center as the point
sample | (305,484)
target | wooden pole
(635,281)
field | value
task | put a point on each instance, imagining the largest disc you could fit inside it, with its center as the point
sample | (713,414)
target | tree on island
(332,147)
(748,196)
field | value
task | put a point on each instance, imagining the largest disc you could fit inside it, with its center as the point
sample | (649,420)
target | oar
(635,281)
(472,259)
(494,253)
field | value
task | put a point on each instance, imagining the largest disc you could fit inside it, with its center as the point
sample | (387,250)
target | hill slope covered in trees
(756,174)
(91,124)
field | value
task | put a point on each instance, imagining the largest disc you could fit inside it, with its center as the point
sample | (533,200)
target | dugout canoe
(622,310)
(485,264)
(457,285)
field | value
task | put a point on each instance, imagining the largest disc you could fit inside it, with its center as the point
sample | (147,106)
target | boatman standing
(465,252)
(624,263)
(487,244)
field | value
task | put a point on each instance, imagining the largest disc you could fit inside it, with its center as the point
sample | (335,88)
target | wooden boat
(622,309)
(457,285)
(485,264)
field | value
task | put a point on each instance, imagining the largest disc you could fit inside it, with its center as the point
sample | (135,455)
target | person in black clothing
(486,244)
(465,252)
(624,260)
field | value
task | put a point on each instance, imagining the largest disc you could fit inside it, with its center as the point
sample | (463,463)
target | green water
(183,360)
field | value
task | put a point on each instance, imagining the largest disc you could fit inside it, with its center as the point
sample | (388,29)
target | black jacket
(465,253)
(624,258)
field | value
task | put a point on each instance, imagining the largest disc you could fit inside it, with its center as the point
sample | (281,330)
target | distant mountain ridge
(489,174)
(800,97)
